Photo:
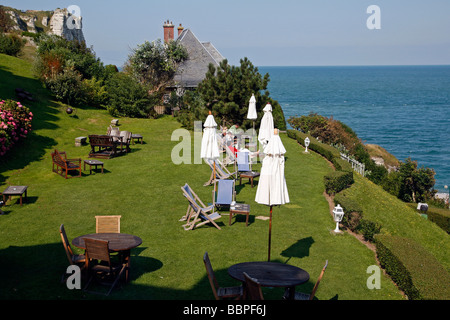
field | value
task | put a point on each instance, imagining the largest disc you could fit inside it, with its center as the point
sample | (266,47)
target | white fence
(357,166)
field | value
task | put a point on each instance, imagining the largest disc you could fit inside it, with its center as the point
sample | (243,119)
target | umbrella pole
(214,177)
(270,232)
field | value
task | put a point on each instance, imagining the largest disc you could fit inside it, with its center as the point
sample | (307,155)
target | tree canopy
(226,91)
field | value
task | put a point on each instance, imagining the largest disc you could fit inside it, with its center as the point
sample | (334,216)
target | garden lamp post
(306,144)
(338,214)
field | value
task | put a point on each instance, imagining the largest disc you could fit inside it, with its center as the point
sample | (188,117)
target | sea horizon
(402,108)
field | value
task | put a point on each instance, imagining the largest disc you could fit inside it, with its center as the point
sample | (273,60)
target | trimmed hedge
(441,217)
(327,151)
(413,268)
(337,181)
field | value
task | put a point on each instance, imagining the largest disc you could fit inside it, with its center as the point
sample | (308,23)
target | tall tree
(226,91)
(155,63)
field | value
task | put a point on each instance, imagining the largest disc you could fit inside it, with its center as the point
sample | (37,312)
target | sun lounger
(197,213)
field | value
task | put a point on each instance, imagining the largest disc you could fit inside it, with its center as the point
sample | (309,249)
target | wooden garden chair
(305,296)
(252,290)
(197,213)
(220,292)
(107,224)
(99,264)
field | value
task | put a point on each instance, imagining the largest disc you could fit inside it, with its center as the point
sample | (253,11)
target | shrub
(353,211)
(368,229)
(413,268)
(15,123)
(127,97)
(337,181)
(441,217)
(11,44)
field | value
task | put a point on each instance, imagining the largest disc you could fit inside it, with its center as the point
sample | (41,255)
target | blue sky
(272,33)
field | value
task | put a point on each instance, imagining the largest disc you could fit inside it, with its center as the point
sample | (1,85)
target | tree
(155,63)
(226,91)
(416,184)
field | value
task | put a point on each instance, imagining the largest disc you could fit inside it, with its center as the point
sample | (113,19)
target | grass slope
(144,187)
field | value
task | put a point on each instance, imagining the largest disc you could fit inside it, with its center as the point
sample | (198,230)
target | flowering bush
(15,123)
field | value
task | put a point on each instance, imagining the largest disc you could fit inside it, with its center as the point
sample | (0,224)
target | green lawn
(144,188)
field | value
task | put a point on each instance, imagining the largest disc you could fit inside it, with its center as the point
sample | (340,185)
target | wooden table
(15,191)
(250,175)
(241,208)
(137,137)
(271,274)
(118,242)
(94,163)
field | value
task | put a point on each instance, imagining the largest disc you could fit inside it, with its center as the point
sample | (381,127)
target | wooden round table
(271,274)
(118,242)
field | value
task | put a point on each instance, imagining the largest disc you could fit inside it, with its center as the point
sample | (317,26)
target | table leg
(291,293)
(231,215)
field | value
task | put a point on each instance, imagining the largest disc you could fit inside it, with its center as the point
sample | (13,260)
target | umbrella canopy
(266,128)
(252,115)
(272,189)
(209,148)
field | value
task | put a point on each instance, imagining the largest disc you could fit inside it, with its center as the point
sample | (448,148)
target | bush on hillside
(413,268)
(11,44)
(15,124)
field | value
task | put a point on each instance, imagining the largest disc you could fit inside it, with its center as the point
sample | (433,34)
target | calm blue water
(404,109)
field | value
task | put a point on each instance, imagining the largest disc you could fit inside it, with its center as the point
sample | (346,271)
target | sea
(404,109)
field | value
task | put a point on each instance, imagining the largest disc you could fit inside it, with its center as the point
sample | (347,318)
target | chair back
(107,224)
(189,194)
(318,281)
(97,250)
(66,244)
(253,288)
(225,192)
(243,161)
(126,136)
(211,276)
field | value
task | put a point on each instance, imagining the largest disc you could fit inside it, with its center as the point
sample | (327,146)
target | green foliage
(11,44)
(441,217)
(413,268)
(226,91)
(128,97)
(368,229)
(337,181)
(155,63)
(411,183)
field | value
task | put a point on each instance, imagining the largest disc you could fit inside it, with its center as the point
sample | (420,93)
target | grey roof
(193,70)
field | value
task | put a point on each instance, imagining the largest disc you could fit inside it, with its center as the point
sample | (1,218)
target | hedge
(337,181)
(413,268)
(441,217)
(327,151)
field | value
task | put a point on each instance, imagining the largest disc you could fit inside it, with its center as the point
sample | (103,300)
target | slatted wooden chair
(107,224)
(99,265)
(305,296)
(252,288)
(220,293)
(74,259)
(61,165)
(197,213)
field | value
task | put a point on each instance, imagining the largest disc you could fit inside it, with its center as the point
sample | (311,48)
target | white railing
(357,166)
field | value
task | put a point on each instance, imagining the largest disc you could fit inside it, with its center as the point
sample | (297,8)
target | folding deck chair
(225,193)
(243,162)
(221,172)
(197,213)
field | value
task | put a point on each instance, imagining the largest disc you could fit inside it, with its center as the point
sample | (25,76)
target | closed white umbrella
(272,189)
(210,148)
(251,114)
(266,128)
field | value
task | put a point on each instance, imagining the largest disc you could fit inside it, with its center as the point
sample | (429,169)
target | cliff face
(59,22)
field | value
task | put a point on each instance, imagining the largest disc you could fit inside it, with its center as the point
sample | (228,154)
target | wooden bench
(62,165)
(102,146)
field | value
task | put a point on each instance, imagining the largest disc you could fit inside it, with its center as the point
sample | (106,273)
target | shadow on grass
(36,272)
(43,110)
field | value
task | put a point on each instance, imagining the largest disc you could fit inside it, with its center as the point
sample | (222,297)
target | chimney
(168,31)
(180,29)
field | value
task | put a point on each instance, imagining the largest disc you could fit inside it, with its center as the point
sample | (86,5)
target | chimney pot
(168,31)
